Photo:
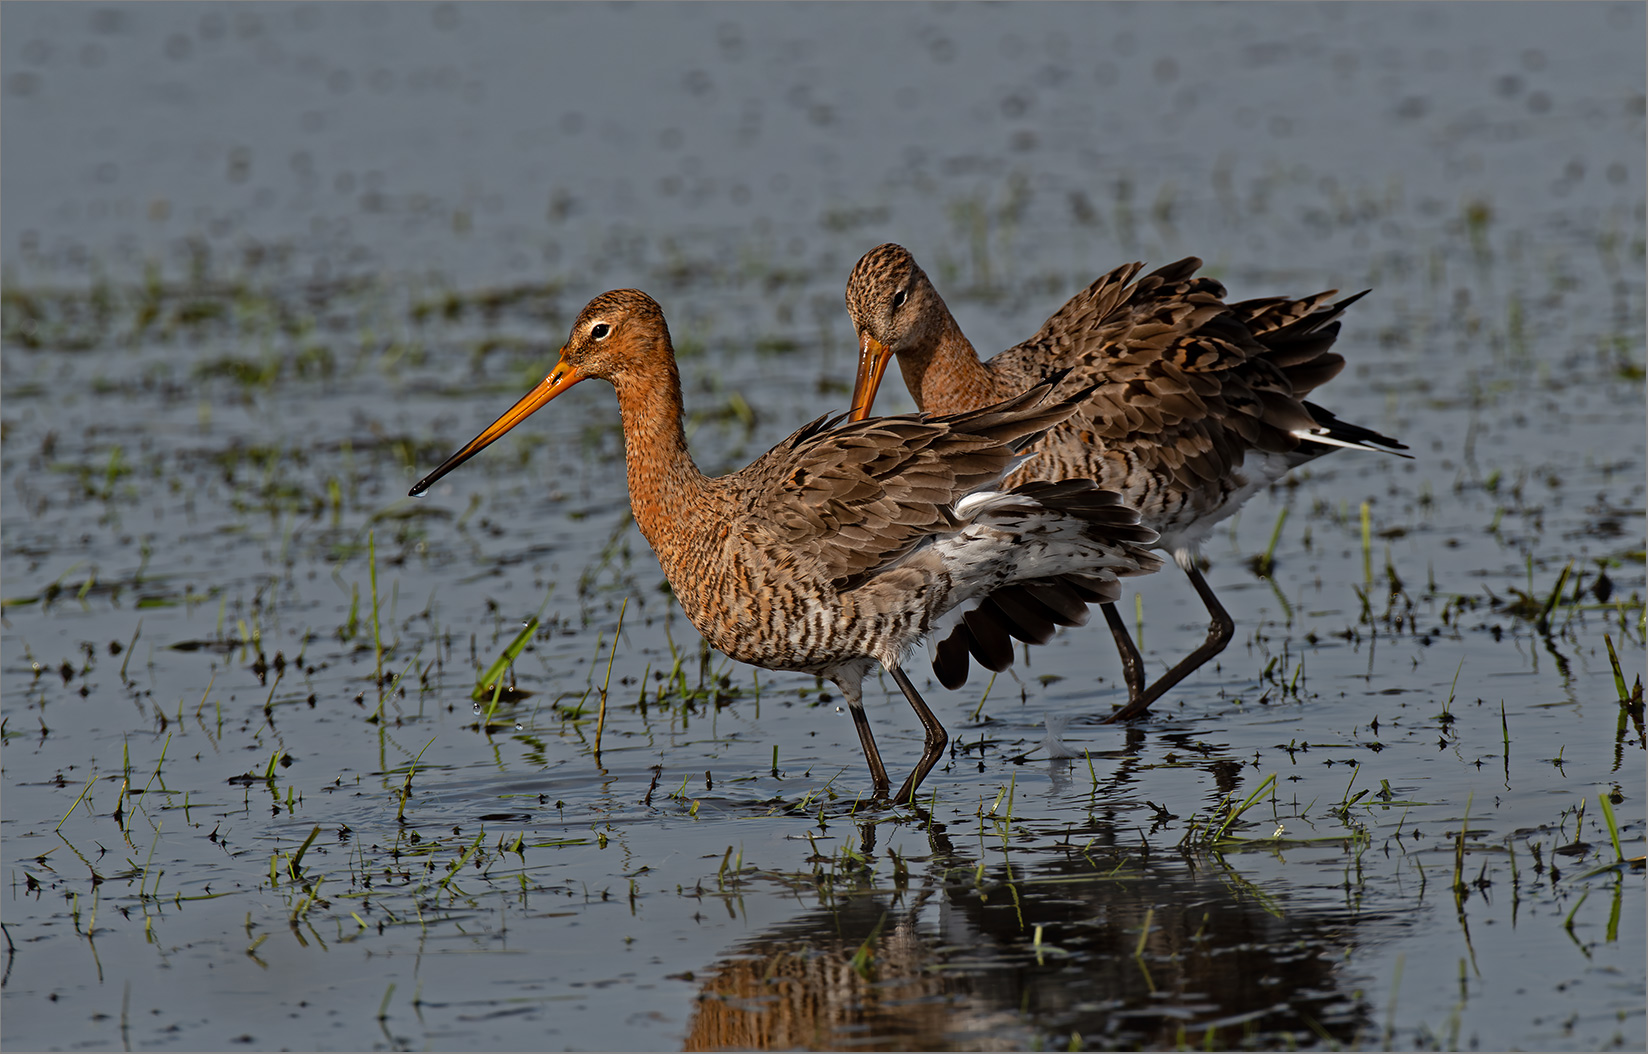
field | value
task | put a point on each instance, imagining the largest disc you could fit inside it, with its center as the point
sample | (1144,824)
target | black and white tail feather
(1330,431)
(1038,525)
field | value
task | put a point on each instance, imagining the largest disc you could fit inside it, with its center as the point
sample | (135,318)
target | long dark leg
(854,693)
(1219,632)
(1132,663)
(935,741)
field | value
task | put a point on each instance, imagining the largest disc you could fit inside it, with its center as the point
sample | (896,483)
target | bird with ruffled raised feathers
(1192,404)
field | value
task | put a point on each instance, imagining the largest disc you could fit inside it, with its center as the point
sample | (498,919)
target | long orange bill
(562,377)
(873,357)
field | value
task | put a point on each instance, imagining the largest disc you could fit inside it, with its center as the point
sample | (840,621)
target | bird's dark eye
(600,331)
(899,298)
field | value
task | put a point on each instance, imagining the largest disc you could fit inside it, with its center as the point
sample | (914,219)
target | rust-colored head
(616,332)
(892,305)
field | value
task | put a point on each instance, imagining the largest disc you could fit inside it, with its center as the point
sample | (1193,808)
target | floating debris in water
(1053,743)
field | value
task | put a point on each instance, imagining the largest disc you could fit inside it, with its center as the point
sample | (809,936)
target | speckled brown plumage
(847,543)
(1194,404)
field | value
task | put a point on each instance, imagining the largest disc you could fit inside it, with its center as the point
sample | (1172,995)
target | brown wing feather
(1183,384)
(856,497)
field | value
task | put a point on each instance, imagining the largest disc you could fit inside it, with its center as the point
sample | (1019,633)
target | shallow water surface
(266,265)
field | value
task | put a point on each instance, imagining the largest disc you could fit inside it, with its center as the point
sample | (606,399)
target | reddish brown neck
(944,373)
(665,486)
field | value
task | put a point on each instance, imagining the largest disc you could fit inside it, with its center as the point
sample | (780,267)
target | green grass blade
(1248,803)
(1613,825)
(1367,543)
(295,866)
(1613,660)
(494,673)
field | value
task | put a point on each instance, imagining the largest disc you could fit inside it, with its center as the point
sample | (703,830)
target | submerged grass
(409,876)
(489,685)
(1216,834)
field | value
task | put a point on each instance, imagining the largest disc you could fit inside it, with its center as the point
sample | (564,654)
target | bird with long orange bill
(848,543)
(1193,405)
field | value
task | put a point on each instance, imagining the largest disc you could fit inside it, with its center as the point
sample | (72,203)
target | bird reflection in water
(957,959)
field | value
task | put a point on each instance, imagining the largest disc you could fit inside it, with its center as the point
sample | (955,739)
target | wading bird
(848,543)
(1193,405)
